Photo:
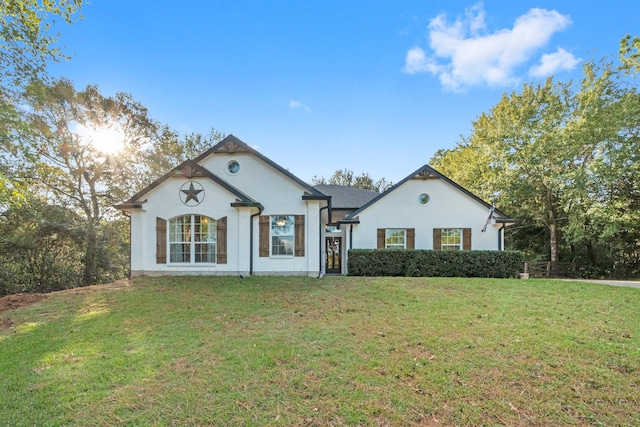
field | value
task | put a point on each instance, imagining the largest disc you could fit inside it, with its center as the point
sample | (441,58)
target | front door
(334,255)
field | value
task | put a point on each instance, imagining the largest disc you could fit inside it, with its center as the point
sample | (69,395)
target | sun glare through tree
(107,140)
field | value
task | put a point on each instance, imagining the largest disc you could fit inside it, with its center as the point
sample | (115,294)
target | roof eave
(307,196)
(128,206)
(355,220)
(245,204)
(506,221)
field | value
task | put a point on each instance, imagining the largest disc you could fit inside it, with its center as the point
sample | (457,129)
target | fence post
(548,268)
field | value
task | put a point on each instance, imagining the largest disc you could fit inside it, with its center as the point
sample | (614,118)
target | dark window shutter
(437,239)
(381,236)
(411,238)
(221,240)
(299,235)
(161,241)
(263,233)
(466,239)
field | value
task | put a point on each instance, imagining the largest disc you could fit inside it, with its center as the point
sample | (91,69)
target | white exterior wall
(280,196)
(138,240)
(256,179)
(292,265)
(164,202)
(448,208)
(276,192)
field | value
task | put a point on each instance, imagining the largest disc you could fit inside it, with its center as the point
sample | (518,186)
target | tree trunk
(89,276)
(552,219)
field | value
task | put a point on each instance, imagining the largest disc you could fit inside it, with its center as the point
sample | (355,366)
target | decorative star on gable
(190,193)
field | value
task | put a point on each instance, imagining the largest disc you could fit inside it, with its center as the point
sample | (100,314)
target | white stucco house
(233,211)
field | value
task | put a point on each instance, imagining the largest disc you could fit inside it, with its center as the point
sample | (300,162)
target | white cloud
(464,53)
(296,105)
(553,62)
(418,62)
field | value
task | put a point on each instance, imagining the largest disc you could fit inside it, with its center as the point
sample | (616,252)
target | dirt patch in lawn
(11,302)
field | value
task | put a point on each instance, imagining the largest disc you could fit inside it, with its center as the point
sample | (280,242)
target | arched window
(192,239)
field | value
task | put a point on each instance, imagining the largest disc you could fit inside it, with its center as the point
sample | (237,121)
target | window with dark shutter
(466,239)
(161,241)
(452,239)
(381,238)
(263,236)
(437,239)
(299,235)
(411,238)
(221,249)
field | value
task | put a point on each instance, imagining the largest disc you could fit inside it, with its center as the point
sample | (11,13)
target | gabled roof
(427,172)
(347,197)
(231,144)
(190,169)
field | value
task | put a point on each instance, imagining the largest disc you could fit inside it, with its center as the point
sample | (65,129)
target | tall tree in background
(565,161)
(519,150)
(81,153)
(347,178)
(26,46)
(170,149)
(77,151)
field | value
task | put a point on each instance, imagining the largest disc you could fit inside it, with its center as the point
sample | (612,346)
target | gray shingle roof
(343,197)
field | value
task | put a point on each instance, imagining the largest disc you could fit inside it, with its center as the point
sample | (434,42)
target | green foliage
(26,45)
(170,149)
(564,159)
(429,263)
(26,39)
(61,158)
(347,178)
(630,54)
(40,247)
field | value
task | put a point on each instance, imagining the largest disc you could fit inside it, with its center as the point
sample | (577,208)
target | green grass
(335,351)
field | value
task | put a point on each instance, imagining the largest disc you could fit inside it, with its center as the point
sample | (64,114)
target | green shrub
(429,263)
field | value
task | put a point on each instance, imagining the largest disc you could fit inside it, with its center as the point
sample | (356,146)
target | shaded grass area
(334,351)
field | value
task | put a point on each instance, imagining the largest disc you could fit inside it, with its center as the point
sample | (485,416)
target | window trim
(192,242)
(228,168)
(395,245)
(420,197)
(290,222)
(450,246)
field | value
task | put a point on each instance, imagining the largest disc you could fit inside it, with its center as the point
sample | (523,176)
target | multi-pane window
(192,239)
(395,238)
(282,234)
(451,239)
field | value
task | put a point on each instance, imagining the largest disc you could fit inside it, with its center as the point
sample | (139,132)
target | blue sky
(372,86)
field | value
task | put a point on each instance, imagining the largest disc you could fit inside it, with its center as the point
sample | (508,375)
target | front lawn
(335,351)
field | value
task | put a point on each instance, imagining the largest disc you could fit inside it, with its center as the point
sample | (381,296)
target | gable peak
(231,145)
(425,173)
(188,169)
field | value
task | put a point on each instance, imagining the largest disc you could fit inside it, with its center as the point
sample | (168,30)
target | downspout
(350,236)
(500,237)
(251,240)
(320,239)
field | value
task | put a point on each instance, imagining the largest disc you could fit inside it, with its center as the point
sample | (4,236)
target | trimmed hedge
(419,263)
